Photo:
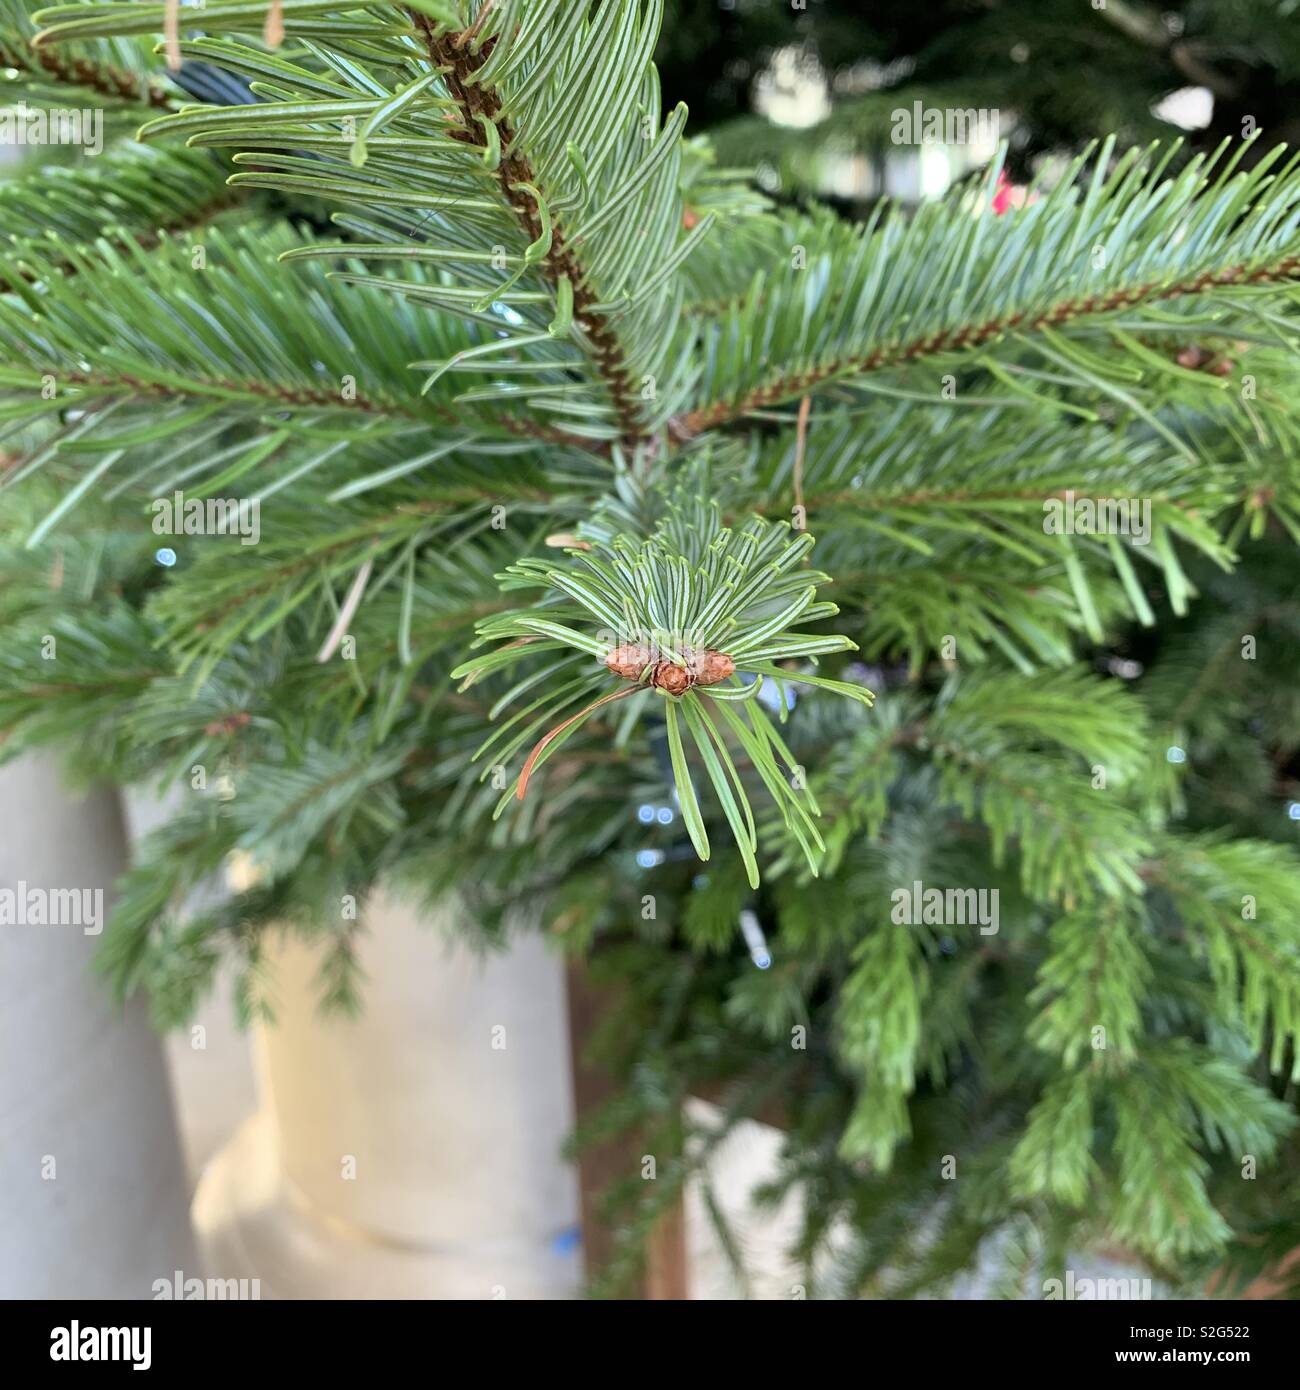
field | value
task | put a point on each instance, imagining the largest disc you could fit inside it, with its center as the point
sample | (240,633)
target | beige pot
(413,1151)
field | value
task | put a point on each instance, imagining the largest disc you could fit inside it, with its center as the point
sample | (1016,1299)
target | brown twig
(81,72)
(561,263)
(299,395)
(550,738)
(800,448)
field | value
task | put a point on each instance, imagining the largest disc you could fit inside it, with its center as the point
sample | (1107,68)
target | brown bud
(629,661)
(704,666)
(1190,357)
(229,725)
(710,667)
(676,680)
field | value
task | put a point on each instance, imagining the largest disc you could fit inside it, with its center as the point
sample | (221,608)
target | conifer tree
(530,413)
(1056,71)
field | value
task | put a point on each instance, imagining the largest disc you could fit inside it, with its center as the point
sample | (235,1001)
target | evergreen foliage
(1055,72)
(518,377)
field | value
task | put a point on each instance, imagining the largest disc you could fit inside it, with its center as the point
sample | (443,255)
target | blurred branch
(1148,29)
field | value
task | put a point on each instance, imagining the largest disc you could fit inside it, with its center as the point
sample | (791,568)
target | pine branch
(1095,976)
(111,69)
(527,234)
(102,385)
(977,559)
(480,102)
(680,615)
(613,297)
(1285,270)
(58,324)
(825,304)
(1239,902)
(103,78)
(67,678)
(126,197)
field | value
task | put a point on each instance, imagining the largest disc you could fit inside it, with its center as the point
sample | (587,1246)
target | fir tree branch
(78,319)
(126,197)
(277,393)
(580,289)
(479,102)
(954,340)
(104,78)
(257,391)
(1069,326)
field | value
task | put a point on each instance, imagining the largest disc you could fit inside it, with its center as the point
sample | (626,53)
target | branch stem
(560,263)
(975,335)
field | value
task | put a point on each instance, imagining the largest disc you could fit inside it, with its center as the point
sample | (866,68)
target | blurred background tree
(1061,71)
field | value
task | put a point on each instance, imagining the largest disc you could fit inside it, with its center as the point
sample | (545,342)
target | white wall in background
(93,1192)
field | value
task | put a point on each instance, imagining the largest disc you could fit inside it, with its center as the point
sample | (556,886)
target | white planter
(413,1151)
(93,1194)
